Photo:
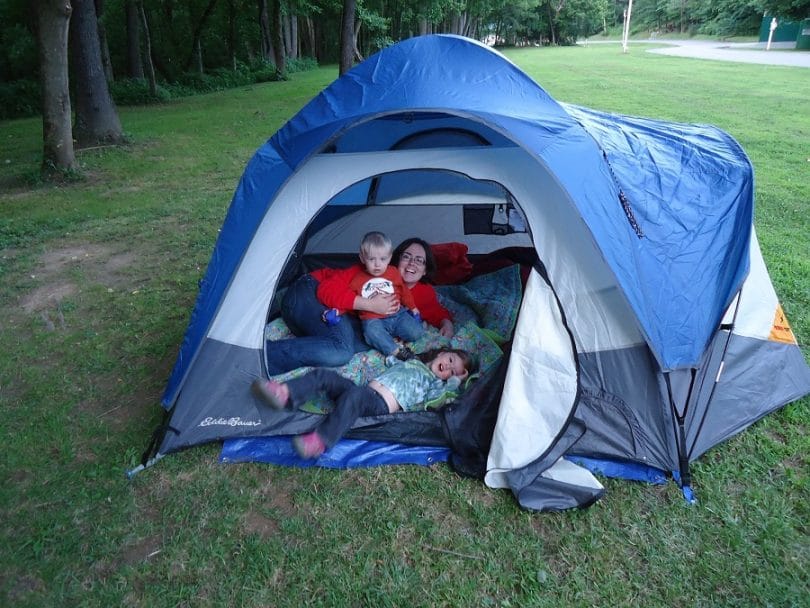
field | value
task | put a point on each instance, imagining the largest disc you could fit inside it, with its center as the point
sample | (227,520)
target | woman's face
(412,264)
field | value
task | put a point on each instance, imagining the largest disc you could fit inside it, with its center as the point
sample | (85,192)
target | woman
(322,345)
(415,262)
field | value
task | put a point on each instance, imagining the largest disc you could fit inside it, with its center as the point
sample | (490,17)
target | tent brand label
(781,332)
(234,421)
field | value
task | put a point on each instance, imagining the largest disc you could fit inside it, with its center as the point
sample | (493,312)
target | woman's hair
(466,358)
(430,260)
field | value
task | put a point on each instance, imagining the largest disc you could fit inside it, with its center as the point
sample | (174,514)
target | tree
(133,20)
(53,19)
(147,51)
(265,37)
(106,62)
(96,117)
(278,37)
(788,9)
(347,36)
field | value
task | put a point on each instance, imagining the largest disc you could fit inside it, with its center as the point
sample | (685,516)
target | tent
(648,330)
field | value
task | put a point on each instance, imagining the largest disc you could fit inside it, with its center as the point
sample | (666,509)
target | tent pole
(721,367)
(684,474)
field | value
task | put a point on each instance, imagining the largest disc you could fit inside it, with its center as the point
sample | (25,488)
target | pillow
(452,265)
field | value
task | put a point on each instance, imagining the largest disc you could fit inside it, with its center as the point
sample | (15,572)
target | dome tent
(648,331)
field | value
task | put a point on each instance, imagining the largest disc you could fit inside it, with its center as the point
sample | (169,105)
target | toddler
(407,386)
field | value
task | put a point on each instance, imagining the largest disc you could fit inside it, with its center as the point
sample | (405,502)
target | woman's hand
(446,329)
(379,303)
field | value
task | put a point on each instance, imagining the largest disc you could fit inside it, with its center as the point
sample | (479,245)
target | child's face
(376,260)
(448,364)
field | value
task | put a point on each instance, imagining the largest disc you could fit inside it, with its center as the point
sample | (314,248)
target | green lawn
(97,279)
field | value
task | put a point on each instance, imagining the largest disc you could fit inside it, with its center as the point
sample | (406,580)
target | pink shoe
(309,445)
(275,394)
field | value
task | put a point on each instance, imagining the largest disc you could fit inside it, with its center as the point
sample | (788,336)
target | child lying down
(405,386)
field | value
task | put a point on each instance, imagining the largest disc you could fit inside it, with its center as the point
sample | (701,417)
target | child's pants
(380,333)
(351,401)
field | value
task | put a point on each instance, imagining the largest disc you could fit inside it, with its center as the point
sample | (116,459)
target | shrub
(19,99)
(302,64)
(135,92)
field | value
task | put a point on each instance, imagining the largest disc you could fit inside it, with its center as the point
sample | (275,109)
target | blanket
(484,311)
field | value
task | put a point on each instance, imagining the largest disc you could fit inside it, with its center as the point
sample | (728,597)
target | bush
(135,92)
(19,99)
(302,64)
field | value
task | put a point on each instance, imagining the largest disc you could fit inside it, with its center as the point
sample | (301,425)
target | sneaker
(404,354)
(331,316)
(273,393)
(309,446)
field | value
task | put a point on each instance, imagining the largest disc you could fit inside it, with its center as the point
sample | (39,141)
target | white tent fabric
(540,389)
(582,279)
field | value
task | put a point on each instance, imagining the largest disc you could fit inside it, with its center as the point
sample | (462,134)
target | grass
(97,279)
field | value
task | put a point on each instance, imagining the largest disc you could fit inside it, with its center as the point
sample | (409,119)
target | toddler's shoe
(331,317)
(404,353)
(275,394)
(309,446)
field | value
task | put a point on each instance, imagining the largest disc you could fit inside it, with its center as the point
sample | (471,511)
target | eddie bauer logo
(234,421)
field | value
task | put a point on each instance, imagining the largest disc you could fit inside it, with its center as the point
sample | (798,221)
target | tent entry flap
(541,385)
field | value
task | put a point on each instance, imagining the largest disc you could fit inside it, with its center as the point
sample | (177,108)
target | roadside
(741,52)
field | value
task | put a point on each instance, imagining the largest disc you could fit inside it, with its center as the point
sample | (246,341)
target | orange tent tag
(781,332)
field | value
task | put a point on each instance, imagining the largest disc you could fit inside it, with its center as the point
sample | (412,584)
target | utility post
(774,25)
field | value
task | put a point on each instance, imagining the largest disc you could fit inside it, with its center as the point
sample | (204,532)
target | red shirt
(365,285)
(334,292)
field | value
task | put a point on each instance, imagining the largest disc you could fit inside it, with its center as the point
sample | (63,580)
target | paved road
(741,52)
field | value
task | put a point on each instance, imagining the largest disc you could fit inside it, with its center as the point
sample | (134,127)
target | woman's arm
(430,309)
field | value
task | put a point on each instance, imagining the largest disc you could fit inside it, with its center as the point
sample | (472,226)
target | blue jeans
(351,401)
(319,344)
(380,333)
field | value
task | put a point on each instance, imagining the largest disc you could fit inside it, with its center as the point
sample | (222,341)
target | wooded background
(58,57)
(185,35)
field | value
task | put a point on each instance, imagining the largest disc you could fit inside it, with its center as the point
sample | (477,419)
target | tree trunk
(147,52)
(102,41)
(313,52)
(197,35)
(551,33)
(53,18)
(347,36)
(96,117)
(285,30)
(278,40)
(134,63)
(423,26)
(357,55)
(293,50)
(232,33)
(264,31)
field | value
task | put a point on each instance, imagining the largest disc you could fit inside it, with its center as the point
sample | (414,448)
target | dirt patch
(261,525)
(47,296)
(278,498)
(53,262)
(141,550)
(99,264)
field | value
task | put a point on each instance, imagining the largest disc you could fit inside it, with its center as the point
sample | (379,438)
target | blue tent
(643,229)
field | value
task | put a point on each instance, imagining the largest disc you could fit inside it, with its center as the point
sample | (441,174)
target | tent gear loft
(644,333)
